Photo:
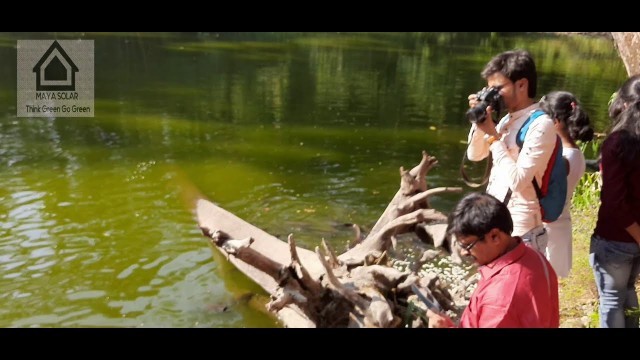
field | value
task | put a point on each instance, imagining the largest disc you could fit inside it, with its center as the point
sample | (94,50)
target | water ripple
(88,294)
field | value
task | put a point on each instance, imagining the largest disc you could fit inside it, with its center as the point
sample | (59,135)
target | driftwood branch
(347,293)
(241,250)
(284,297)
(333,259)
(357,236)
(379,312)
(415,180)
(380,241)
(358,288)
(411,203)
(306,281)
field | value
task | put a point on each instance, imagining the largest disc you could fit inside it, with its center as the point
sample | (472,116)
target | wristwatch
(492,138)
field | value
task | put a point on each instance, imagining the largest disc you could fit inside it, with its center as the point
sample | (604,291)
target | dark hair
(625,113)
(478,213)
(564,106)
(515,65)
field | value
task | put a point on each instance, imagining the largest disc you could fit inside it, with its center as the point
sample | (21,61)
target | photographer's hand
(473,100)
(488,126)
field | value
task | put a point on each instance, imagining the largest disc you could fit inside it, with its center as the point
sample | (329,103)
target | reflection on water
(295,132)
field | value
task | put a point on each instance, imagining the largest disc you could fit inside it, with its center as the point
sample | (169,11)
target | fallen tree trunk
(359,288)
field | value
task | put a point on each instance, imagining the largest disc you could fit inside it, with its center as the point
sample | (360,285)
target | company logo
(55,70)
(55,78)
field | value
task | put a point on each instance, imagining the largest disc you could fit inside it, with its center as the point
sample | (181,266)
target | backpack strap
(520,141)
(525,127)
(522,133)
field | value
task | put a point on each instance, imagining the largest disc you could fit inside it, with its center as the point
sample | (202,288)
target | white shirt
(577,167)
(514,169)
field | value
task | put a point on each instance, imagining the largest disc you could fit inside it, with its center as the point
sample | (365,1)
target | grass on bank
(578,293)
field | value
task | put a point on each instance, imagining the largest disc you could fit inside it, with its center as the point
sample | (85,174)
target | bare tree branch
(307,282)
(347,293)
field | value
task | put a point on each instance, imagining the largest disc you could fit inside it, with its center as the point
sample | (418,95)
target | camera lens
(478,113)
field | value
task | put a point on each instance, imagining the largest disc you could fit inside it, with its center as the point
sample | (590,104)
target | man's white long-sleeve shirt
(515,169)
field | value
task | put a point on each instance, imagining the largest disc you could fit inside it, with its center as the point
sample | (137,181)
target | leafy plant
(594,320)
(635,312)
(587,192)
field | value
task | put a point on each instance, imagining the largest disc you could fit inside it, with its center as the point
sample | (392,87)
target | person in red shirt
(518,286)
(614,252)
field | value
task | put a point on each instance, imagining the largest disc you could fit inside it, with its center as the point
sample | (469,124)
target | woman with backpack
(572,124)
(614,253)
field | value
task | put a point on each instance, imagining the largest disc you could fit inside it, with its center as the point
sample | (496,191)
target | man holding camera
(512,80)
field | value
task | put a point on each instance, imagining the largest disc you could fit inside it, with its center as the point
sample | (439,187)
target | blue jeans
(616,266)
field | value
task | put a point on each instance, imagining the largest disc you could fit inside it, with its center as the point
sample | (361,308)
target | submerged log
(359,288)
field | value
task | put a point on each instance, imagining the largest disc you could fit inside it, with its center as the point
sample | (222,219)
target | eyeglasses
(468,247)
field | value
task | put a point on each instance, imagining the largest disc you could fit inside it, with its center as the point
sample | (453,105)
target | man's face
(513,94)
(483,249)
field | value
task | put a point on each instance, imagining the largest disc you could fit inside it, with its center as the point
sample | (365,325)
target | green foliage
(612,98)
(632,312)
(587,192)
(593,145)
(591,149)
(594,319)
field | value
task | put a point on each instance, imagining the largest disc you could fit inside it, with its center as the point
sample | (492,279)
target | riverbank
(578,293)
(594,34)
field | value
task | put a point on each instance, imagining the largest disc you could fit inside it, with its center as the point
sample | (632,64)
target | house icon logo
(55,70)
(55,78)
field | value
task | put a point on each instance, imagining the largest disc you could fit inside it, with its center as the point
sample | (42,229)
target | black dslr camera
(486,97)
